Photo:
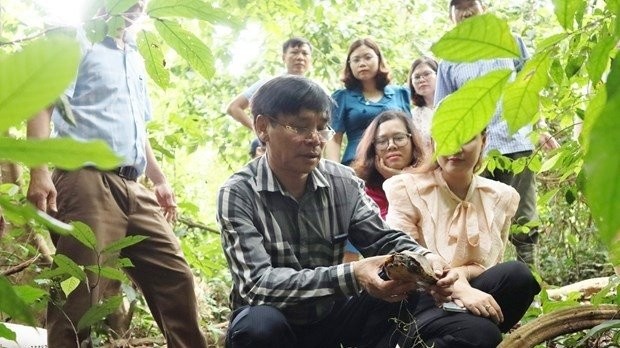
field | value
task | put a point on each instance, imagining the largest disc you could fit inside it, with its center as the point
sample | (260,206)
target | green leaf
(34,77)
(565,11)
(27,212)
(98,312)
(12,304)
(116,7)
(600,328)
(599,57)
(194,9)
(83,233)
(108,272)
(522,97)
(188,46)
(123,243)
(153,58)
(603,169)
(29,294)
(479,37)
(68,285)
(551,41)
(550,163)
(594,109)
(464,113)
(69,266)
(95,29)
(123,263)
(64,153)
(7,333)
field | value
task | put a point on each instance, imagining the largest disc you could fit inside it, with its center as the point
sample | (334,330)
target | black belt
(127,172)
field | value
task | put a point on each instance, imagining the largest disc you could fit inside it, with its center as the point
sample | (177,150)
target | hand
(548,142)
(478,302)
(443,289)
(383,169)
(366,271)
(165,198)
(41,190)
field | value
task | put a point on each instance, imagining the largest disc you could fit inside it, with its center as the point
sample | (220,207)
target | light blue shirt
(451,76)
(109,100)
(353,113)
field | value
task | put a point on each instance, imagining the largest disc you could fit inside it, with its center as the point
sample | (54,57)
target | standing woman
(390,144)
(464,218)
(366,94)
(422,77)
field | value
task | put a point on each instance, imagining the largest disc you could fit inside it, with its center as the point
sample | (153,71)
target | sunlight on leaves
(154,60)
(194,9)
(188,46)
(479,37)
(566,10)
(522,97)
(34,77)
(464,113)
(69,284)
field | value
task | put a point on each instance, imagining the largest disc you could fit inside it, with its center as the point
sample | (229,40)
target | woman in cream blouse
(466,219)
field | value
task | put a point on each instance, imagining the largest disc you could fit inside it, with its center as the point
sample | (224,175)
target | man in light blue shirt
(109,102)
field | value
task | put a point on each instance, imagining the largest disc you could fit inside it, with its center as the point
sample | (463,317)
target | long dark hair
(417,99)
(364,164)
(383,76)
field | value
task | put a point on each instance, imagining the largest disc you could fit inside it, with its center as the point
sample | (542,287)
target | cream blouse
(463,232)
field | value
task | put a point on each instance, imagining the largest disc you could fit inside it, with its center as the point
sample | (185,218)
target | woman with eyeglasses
(421,81)
(465,218)
(389,145)
(367,93)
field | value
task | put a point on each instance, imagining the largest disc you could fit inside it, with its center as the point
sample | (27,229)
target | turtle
(408,266)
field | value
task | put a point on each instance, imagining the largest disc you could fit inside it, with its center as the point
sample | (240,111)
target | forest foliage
(189,45)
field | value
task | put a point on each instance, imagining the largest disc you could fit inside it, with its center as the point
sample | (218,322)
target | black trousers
(362,321)
(513,287)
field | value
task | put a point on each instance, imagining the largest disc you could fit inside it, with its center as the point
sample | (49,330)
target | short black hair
(287,95)
(295,42)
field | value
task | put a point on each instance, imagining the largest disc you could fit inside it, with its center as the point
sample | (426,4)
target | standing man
(285,218)
(109,101)
(450,77)
(297,58)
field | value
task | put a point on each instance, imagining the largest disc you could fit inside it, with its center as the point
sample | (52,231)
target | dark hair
(253,146)
(383,76)
(364,164)
(287,95)
(295,42)
(417,99)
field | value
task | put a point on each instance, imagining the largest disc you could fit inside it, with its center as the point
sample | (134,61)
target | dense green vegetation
(190,47)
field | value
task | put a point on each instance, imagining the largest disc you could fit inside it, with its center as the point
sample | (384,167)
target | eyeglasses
(358,59)
(399,140)
(307,132)
(425,75)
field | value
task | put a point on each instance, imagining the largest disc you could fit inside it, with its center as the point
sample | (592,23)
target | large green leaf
(62,152)
(594,109)
(23,213)
(479,37)
(69,266)
(602,165)
(565,11)
(12,304)
(29,294)
(195,9)
(599,57)
(83,233)
(123,243)
(521,97)
(187,46)
(154,60)
(464,113)
(98,312)
(34,77)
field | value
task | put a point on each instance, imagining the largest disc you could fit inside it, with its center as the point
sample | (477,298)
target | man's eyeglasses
(306,132)
(425,75)
(399,140)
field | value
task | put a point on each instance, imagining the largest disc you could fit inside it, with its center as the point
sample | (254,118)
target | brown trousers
(114,208)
